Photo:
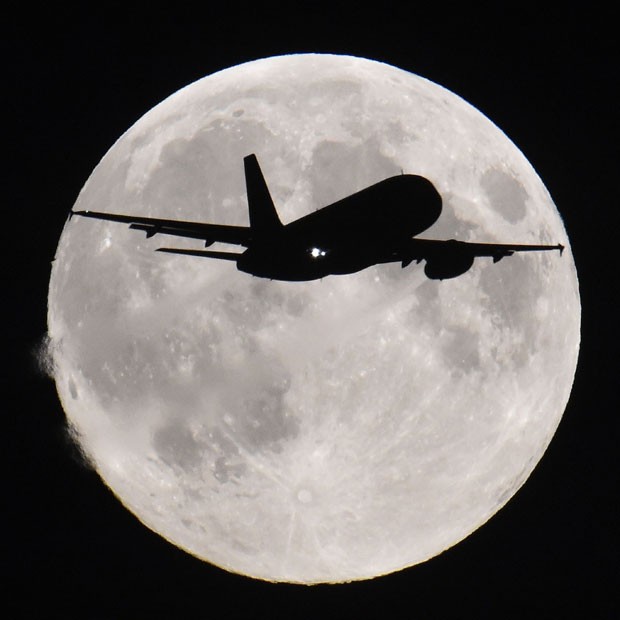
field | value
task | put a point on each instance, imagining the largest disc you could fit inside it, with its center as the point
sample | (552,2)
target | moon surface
(323,431)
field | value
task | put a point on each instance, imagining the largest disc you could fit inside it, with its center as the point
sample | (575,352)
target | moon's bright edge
(325,431)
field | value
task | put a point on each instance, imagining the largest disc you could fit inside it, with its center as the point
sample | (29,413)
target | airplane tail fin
(264,218)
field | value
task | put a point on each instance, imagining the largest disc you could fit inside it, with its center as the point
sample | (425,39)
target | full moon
(321,431)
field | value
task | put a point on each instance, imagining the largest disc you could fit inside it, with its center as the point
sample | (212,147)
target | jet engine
(449,266)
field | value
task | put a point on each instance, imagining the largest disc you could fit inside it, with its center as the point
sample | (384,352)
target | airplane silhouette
(375,225)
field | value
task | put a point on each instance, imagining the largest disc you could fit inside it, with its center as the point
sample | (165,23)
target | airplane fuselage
(369,227)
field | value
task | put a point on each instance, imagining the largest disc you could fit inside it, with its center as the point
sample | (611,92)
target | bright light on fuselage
(317,252)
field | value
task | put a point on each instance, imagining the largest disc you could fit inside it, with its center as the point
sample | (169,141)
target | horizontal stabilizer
(234,256)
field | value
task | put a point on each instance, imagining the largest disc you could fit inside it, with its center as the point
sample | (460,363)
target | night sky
(78,79)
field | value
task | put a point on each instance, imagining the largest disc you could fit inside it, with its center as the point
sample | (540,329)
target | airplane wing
(209,233)
(451,258)
(422,248)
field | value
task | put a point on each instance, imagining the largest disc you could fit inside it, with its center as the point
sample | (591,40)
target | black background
(74,80)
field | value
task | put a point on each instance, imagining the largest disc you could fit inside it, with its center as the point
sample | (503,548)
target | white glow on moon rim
(325,431)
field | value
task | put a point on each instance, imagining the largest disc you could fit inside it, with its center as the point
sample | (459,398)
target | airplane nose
(427,200)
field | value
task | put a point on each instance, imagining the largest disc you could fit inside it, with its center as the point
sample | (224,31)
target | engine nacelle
(448,266)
